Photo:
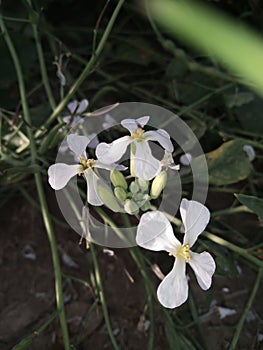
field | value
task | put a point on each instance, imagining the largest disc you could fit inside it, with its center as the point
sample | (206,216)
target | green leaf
(216,34)
(228,164)
(253,203)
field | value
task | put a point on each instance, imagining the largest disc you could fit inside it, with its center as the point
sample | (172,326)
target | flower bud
(108,198)
(131,207)
(158,184)
(120,193)
(117,179)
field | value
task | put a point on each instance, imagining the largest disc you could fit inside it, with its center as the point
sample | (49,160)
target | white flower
(250,152)
(76,109)
(143,164)
(60,173)
(186,159)
(168,161)
(155,233)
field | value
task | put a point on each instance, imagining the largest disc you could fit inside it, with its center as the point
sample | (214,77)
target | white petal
(155,232)
(186,159)
(133,124)
(146,167)
(250,152)
(112,152)
(98,164)
(78,144)
(204,267)
(94,141)
(92,185)
(60,174)
(82,106)
(195,217)
(173,290)
(72,106)
(162,137)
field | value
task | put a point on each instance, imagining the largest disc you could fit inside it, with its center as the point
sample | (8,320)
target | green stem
(42,65)
(86,70)
(229,211)
(240,251)
(102,297)
(40,189)
(247,308)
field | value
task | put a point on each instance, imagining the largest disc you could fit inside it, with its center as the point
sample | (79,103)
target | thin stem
(86,70)
(233,247)
(42,65)
(40,189)
(102,297)
(247,308)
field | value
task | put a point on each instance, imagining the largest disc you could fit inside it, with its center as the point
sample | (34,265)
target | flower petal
(162,137)
(133,124)
(173,290)
(195,217)
(72,106)
(82,106)
(92,185)
(204,267)
(60,174)
(112,166)
(94,141)
(78,144)
(111,152)
(146,167)
(155,232)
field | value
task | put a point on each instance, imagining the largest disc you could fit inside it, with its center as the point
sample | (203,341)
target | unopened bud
(120,193)
(131,207)
(108,198)
(117,179)
(158,184)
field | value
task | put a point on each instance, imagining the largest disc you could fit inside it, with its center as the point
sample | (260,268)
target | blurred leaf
(228,163)
(239,99)
(253,203)
(216,34)
(225,266)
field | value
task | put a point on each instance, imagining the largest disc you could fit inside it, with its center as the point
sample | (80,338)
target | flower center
(138,134)
(86,163)
(183,252)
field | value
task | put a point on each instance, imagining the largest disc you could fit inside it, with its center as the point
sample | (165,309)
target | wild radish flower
(250,152)
(76,109)
(168,162)
(155,233)
(143,164)
(60,173)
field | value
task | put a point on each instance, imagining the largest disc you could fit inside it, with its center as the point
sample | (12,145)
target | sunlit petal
(133,124)
(111,152)
(78,144)
(60,174)
(146,167)
(204,267)
(112,166)
(195,217)
(72,106)
(173,290)
(162,137)
(82,106)
(92,187)
(155,232)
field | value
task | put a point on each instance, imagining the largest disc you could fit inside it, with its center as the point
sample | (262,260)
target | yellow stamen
(85,163)
(183,252)
(138,134)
